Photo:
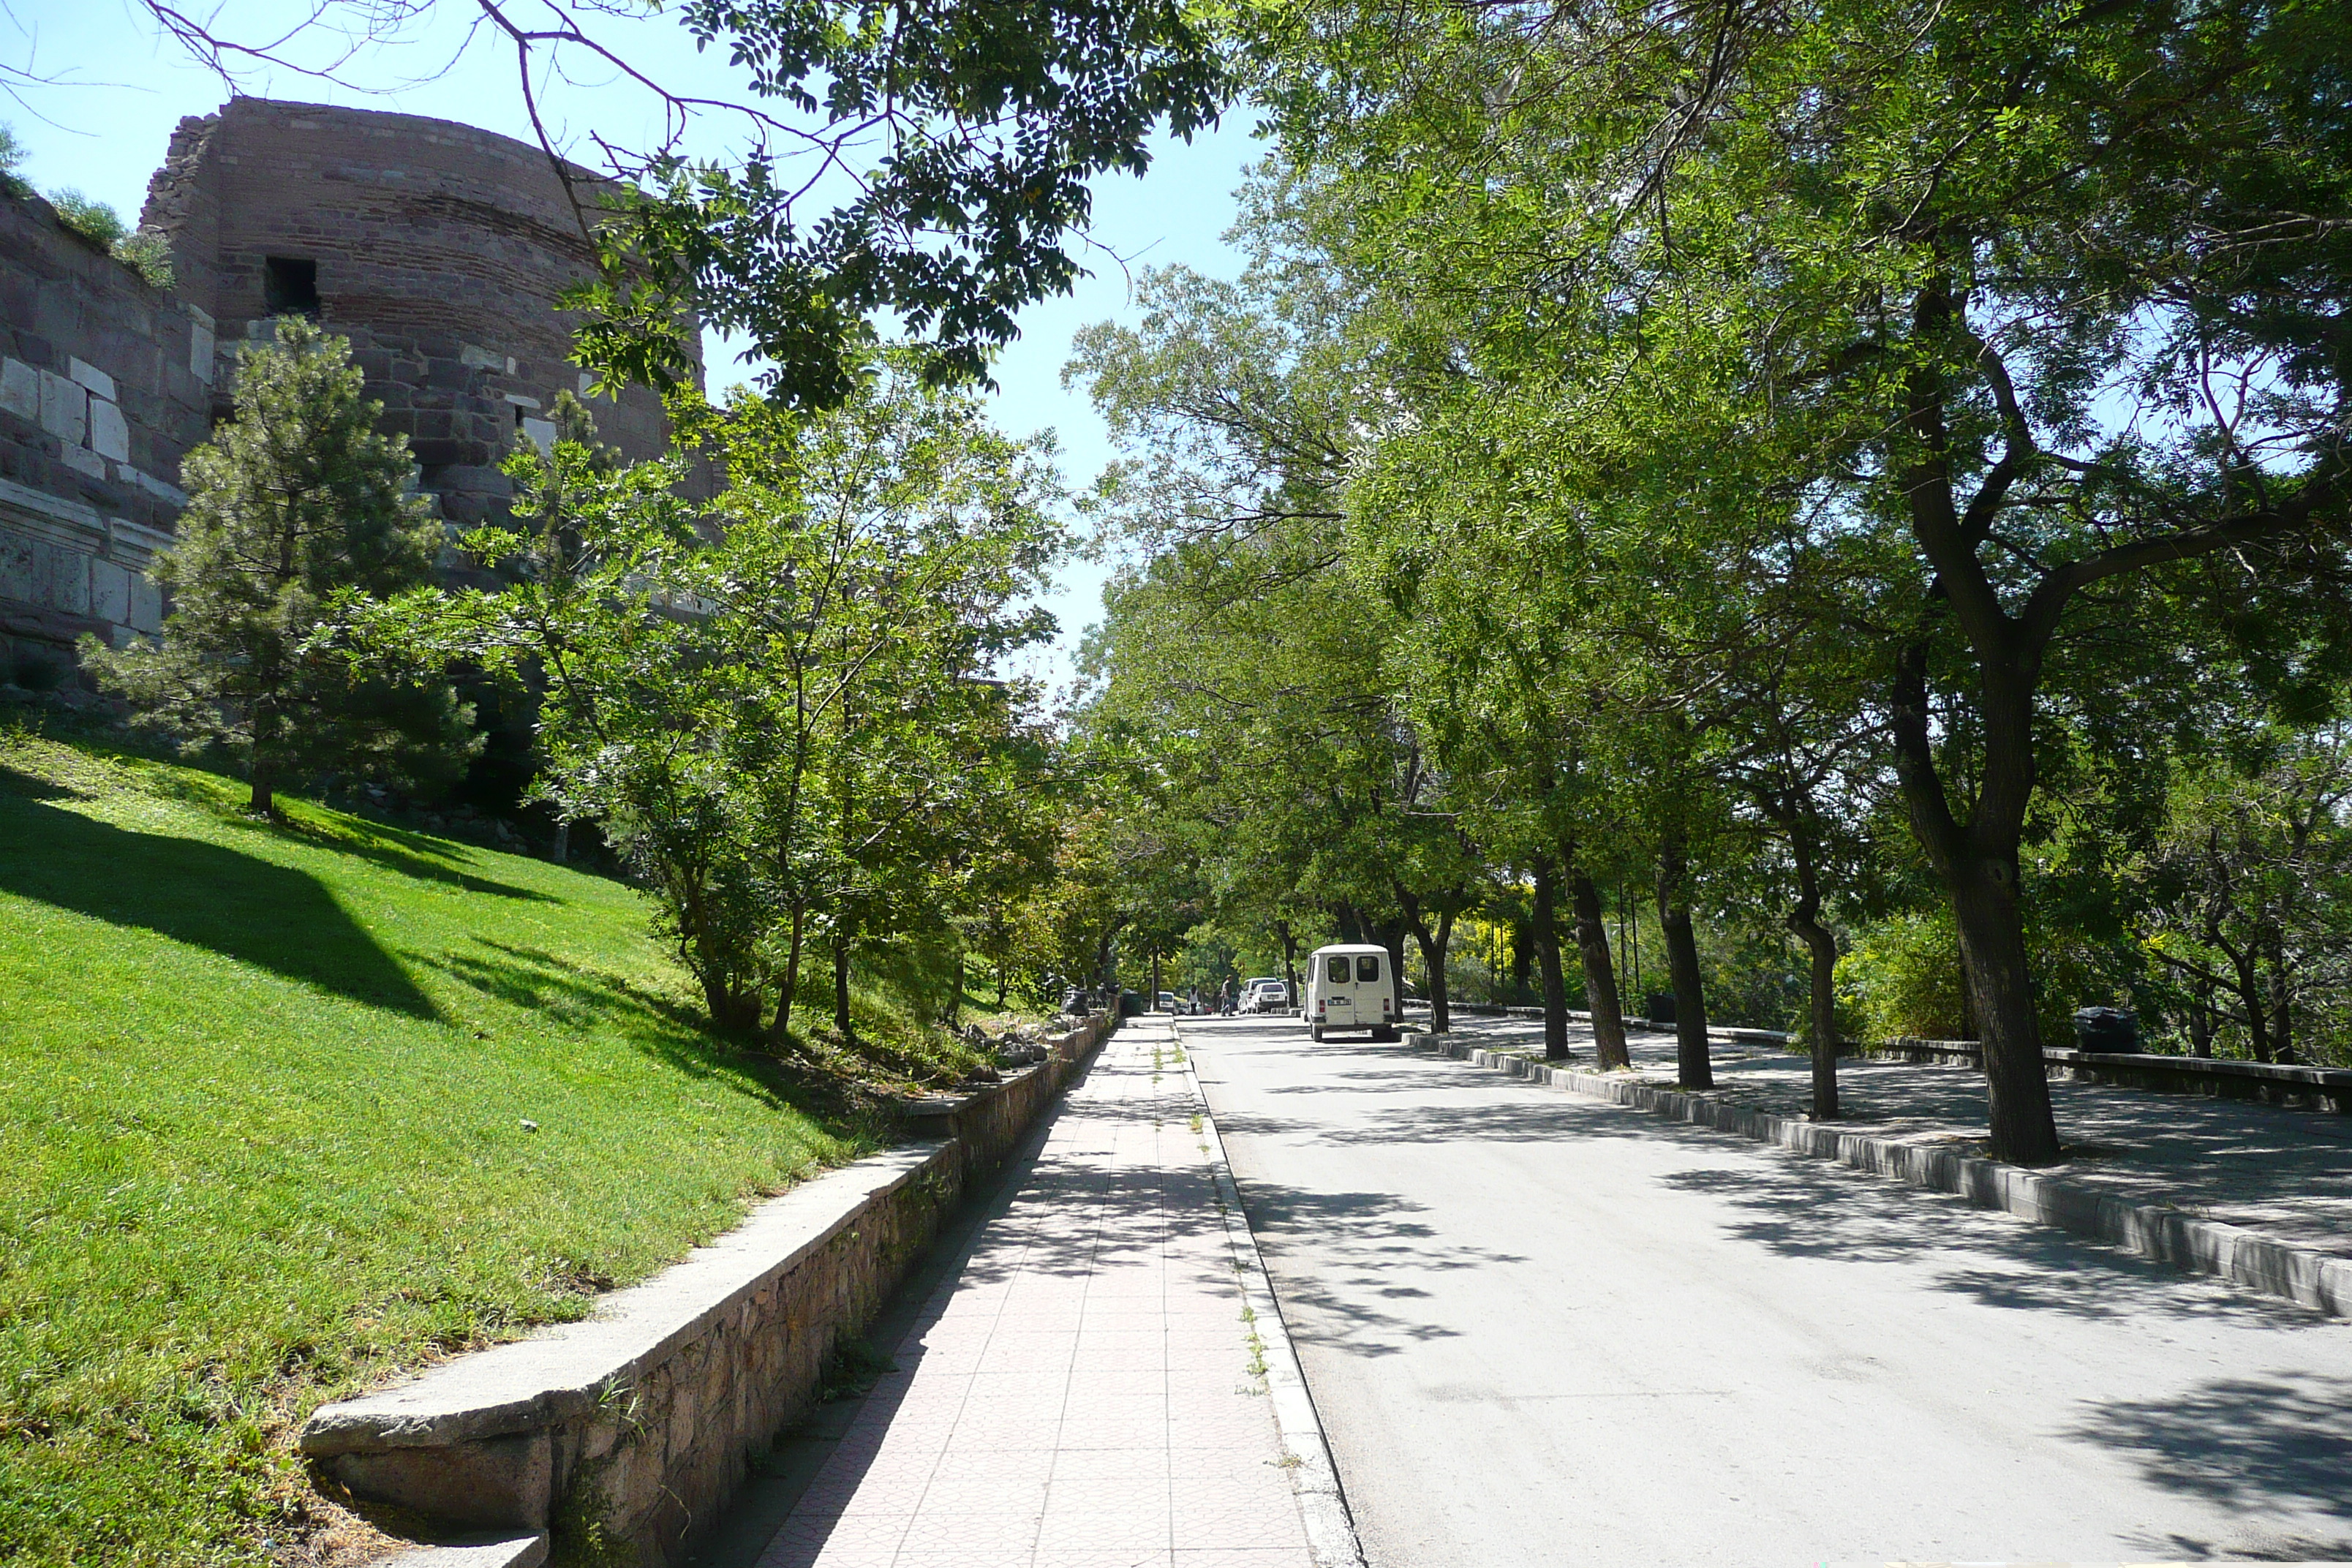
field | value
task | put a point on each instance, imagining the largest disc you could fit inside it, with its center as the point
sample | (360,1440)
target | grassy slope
(264,1097)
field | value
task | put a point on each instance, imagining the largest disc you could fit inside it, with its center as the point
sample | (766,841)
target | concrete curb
(522,1552)
(1322,1506)
(2153,1231)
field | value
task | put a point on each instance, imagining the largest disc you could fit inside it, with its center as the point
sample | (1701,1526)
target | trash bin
(2109,1029)
(1661,1008)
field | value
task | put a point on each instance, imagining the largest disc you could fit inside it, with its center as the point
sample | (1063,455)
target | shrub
(1901,976)
(90,218)
(149,255)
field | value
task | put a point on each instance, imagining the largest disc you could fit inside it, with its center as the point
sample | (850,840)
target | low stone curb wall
(2317,1089)
(520,1551)
(637,1423)
(2164,1234)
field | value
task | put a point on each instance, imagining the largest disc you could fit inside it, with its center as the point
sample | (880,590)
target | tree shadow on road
(1798,1207)
(1371,1246)
(2262,1447)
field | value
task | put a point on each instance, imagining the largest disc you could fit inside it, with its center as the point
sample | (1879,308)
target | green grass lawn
(286,1108)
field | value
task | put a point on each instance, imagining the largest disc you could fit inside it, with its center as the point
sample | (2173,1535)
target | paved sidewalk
(1084,1392)
(2286,1174)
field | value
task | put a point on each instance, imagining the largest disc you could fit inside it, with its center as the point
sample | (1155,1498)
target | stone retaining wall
(638,1423)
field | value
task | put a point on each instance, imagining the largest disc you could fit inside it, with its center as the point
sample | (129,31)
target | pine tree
(296,500)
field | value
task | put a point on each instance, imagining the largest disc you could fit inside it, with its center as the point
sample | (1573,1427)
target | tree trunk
(784,993)
(1441,1007)
(1544,927)
(1433,945)
(1600,977)
(2249,998)
(1978,864)
(264,799)
(2201,1022)
(1289,959)
(1822,949)
(561,851)
(1694,1067)
(2282,1002)
(1999,983)
(840,987)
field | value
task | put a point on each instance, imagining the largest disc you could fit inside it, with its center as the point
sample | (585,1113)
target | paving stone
(1083,1381)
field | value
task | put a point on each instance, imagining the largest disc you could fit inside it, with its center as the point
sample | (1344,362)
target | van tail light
(1384,1003)
(1318,1009)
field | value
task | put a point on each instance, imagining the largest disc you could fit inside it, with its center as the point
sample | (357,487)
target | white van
(1350,986)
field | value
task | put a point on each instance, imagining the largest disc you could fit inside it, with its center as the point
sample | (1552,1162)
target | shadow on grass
(664,1029)
(190,892)
(411,854)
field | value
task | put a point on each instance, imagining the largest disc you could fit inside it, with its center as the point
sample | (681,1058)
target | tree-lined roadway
(1544,1329)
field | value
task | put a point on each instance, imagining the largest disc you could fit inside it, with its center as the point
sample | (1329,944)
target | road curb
(2153,1231)
(519,1551)
(1322,1506)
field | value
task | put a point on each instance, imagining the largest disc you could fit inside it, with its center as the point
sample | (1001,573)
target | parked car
(1267,995)
(1351,985)
(1167,1002)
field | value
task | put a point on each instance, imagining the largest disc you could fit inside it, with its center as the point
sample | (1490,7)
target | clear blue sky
(119,90)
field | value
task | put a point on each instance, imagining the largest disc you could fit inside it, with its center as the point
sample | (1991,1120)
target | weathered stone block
(146,614)
(109,592)
(110,432)
(59,579)
(90,377)
(65,408)
(20,389)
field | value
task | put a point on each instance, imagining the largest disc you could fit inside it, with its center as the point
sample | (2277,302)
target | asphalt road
(1542,1330)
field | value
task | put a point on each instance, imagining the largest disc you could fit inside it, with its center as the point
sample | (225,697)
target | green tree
(2040,309)
(295,502)
(785,716)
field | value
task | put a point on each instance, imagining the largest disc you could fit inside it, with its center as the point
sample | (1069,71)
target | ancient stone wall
(438,249)
(104,385)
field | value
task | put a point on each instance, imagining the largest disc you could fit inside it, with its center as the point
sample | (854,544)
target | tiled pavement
(1080,1393)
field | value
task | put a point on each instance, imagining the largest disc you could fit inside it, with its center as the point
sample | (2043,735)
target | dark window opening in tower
(289,286)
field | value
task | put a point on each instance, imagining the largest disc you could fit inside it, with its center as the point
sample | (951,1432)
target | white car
(1267,995)
(1351,985)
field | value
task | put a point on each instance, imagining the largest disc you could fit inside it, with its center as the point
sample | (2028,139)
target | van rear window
(1367,967)
(1337,969)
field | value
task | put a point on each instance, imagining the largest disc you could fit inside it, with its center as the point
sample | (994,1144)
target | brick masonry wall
(103,388)
(438,249)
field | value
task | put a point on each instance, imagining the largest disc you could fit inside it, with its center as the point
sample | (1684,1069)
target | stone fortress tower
(437,248)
